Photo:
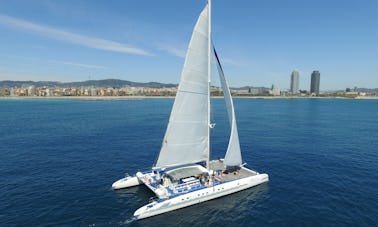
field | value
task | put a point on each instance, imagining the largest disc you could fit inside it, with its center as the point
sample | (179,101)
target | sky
(259,42)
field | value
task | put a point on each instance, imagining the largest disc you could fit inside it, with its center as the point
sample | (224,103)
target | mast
(209,81)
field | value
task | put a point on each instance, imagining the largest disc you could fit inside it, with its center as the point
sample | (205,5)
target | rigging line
(216,56)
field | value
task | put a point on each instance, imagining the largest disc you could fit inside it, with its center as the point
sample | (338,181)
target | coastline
(87,97)
(94,98)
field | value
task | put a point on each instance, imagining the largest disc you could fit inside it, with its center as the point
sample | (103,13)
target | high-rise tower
(315,82)
(294,83)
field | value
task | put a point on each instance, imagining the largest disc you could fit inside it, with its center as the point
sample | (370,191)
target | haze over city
(259,42)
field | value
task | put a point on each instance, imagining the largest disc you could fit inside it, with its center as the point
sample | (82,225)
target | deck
(242,173)
(192,183)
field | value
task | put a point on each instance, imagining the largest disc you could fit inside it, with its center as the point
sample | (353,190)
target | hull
(126,183)
(188,199)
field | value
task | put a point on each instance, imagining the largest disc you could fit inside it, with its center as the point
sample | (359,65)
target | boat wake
(129,221)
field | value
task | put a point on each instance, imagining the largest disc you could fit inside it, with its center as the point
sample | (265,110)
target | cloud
(234,62)
(75,64)
(176,51)
(92,42)
(181,52)
(79,64)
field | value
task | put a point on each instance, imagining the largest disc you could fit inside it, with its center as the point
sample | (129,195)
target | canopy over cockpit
(186,171)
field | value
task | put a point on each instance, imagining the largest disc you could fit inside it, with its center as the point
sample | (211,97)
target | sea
(59,158)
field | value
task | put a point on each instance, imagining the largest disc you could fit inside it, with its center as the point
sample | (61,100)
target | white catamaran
(183,174)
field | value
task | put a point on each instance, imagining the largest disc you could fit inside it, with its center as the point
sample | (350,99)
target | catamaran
(183,174)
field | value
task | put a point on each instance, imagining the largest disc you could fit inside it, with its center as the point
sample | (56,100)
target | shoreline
(87,97)
(100,98)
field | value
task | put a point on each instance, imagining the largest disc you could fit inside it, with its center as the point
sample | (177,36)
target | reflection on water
(134,197)
(133,191)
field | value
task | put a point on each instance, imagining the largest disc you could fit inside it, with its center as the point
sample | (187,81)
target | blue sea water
(58,159)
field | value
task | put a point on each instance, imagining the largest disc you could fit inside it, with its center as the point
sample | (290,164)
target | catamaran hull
(156,208)
(126,183)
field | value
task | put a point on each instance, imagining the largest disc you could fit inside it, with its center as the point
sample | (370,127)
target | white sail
(186,139)
(233,155)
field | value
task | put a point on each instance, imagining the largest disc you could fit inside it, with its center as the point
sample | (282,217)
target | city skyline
(53,41)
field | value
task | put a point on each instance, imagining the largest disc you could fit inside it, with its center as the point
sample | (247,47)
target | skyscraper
(315,82)
(294,83)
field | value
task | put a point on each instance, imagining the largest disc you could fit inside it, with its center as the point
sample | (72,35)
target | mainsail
(233,154)
(186,139)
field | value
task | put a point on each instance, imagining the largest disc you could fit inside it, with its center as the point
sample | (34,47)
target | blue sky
(259,41)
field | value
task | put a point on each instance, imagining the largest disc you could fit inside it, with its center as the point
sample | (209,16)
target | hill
(115,83)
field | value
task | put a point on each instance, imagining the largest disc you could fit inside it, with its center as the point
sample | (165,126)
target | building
(93,91)
(275,92)
(31,90)
(315,82)
(294,83)
(12,92)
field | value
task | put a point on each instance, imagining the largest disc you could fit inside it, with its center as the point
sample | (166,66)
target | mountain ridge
(115,83)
